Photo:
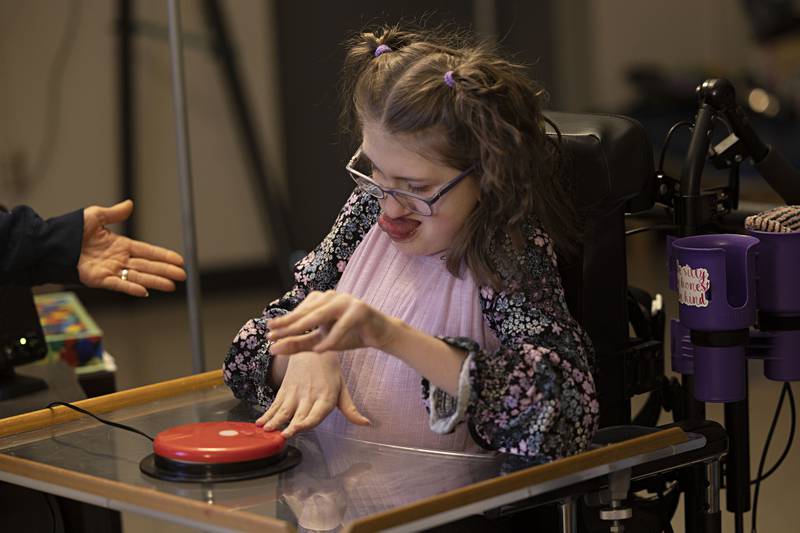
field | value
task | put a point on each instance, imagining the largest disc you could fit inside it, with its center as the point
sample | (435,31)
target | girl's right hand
(311,388)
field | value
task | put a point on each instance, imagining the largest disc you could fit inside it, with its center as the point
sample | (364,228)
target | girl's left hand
(330,321)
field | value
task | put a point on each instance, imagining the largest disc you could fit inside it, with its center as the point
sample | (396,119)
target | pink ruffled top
(421,292)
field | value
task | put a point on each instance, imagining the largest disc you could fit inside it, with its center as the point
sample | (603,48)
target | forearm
(34,251)
(433,358)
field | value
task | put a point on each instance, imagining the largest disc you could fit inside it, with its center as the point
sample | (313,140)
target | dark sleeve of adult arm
(35,251)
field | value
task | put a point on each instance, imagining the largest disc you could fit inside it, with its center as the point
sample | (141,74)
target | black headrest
(610,159)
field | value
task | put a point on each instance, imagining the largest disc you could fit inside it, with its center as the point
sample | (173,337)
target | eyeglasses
(413,202)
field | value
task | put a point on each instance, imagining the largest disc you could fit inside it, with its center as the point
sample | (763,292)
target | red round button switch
(218,442)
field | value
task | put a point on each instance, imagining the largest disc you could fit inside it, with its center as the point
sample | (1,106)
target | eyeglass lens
(364,166)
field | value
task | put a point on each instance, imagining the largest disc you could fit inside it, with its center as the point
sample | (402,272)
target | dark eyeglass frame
(447,187)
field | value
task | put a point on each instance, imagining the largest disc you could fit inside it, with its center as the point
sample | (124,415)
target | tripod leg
(276,218)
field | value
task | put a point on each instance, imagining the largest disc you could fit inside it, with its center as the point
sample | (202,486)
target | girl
(440,270)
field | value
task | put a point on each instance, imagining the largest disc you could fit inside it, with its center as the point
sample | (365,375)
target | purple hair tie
(449,80)
(382,49)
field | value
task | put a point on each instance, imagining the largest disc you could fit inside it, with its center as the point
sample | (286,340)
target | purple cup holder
(715,281)
(778,289)
(779,351)
(681,348)
(723,282)
(720,373)
(778,285)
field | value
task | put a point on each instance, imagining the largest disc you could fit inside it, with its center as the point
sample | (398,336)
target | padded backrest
(610,166)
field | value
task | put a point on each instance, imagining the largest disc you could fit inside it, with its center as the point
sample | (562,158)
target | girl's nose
(392,207)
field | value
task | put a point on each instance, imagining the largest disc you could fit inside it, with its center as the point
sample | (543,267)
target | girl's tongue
(399,229)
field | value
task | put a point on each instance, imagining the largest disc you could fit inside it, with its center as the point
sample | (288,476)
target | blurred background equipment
(22,341)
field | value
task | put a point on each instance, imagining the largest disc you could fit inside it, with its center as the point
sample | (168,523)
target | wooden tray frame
(224,517)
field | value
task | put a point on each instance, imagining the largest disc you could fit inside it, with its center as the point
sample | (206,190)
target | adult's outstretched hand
(114,262)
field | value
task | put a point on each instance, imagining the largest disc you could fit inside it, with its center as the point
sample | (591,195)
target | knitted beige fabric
(784,219)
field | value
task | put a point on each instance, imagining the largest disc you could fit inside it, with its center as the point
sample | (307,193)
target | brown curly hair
(491,118)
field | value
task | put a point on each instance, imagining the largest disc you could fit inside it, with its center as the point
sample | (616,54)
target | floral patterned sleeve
(535,395)
(247,365)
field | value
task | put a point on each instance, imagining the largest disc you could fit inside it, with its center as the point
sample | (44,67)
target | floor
(150,343)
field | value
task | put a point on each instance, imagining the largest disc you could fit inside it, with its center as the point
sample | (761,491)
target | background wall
(580,49)
(681,34)
(84,165)
(82,168)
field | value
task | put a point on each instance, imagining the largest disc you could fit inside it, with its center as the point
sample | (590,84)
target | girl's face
(396,165)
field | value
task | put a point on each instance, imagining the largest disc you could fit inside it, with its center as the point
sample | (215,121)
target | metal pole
(127,115)
(185,174)
(737,462)
(567,516)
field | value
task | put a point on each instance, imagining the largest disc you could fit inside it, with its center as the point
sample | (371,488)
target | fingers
(350,319)
(349,409)
(136,284)
(321,316)
(155,253)
(293,345)
(280,415)
(153,275)
(149,281)
(115,283)
(309,303)
(276,403)
(144,274)
(317,414)
(120,213)
(116,213)
(160,269)
(316,314)
(314,296)
(306,415)
(298,420)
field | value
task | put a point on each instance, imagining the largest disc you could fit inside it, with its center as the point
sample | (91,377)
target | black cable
(55,78)
(688,124)
(787,389)
(109,422)
(666,142)
(724,122)
(789,441)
